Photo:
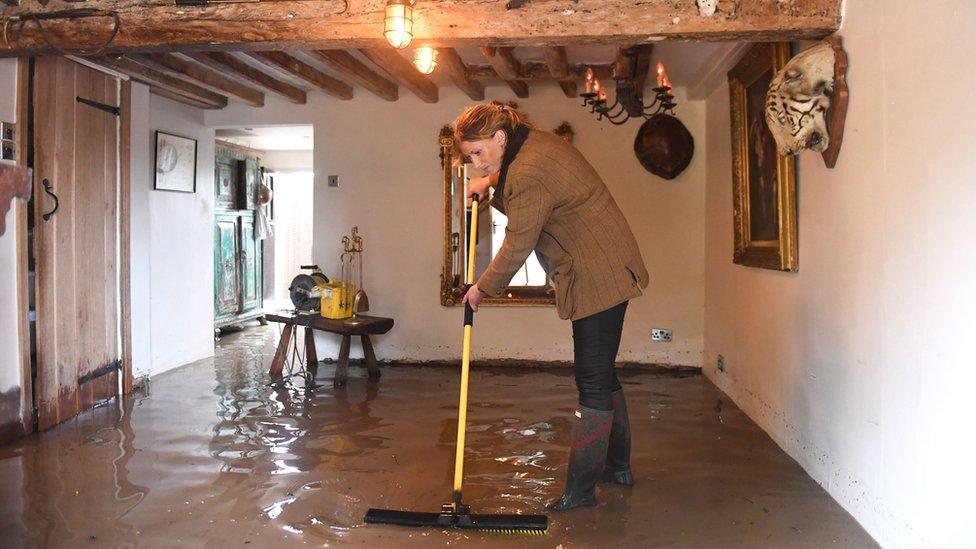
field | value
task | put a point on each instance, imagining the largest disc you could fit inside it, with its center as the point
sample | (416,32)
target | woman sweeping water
(559,207)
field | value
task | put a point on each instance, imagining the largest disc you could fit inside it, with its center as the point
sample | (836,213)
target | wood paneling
(76,149)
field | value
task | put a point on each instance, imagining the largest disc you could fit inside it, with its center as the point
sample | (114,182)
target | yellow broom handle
(465,359)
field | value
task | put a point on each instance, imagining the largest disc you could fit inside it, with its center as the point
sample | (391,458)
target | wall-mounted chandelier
(663,145)
(629,97)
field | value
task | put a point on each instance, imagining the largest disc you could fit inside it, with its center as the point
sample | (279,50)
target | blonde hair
(479,122)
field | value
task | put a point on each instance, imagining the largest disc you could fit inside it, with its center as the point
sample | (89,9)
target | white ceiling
(269,138)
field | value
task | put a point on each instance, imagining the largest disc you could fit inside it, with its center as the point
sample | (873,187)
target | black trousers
(596,339)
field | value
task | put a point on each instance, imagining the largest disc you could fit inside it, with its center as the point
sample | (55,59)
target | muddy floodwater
(211,455)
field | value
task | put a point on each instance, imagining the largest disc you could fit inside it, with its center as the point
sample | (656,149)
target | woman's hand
(474,297)
(479,186)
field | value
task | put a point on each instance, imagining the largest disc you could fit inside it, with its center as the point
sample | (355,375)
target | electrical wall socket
(660,334)
(333,180)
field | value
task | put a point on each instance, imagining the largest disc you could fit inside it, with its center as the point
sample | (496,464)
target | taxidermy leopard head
(798,99)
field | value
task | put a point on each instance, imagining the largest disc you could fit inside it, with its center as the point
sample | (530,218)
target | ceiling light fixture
(398,25)
(425,59)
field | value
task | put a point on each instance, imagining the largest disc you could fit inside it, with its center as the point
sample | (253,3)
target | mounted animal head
(798,99)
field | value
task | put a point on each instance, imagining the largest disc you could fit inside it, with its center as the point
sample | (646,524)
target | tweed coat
(558,206)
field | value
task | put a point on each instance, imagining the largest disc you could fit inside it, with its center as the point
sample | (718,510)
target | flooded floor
(212,456)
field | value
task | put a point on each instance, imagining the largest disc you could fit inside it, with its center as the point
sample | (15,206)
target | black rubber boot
(587,458)
(618,454)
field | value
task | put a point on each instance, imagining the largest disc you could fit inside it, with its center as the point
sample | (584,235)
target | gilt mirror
(529,286)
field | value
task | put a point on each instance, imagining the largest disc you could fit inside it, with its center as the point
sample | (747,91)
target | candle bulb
(596,86)
(602,97)
(660,74)
(589,80)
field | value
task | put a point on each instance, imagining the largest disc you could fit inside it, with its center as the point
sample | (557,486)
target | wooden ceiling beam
(281,60)
(178,98)
(201,76)
(403,72)
(508,68)
(539,71)
(457,71)
(228,63)
(559,68)
(344,63)
(556,61)
(161,80)
(633,62)
(336,24)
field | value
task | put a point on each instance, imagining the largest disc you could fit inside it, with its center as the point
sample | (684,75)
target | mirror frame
(451,295)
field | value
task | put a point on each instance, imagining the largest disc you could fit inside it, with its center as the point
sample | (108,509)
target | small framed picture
(176,163)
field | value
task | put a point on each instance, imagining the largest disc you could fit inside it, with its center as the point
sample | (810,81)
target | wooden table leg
(342,367)
(278,363)
(370,356)
(311,357)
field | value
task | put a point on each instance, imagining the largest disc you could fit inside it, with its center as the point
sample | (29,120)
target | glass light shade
(425,59)
(398,25)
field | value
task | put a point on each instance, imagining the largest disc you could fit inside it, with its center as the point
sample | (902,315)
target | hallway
(213,457)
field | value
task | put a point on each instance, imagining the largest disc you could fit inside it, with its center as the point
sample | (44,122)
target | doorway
(284,235)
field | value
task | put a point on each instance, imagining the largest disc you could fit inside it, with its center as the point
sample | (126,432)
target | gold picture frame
(453,287)
(763,182)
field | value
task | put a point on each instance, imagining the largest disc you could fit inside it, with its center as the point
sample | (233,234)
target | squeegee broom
(456,514)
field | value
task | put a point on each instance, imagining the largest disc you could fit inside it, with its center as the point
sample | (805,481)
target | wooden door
(227,300)
(76,247)
(251,264)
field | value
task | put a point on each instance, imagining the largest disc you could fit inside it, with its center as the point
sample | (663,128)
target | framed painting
(764,183)
(176,163)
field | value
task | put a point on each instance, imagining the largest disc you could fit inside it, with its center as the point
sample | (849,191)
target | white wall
(860,365)
(140,181)
(386,157)
(179,227)
(10,371)
(288,161)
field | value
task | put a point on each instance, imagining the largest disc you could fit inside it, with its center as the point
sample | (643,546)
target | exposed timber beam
(559,68)
(508,68)
(228,63)
(336,24)
(201,76)
(178,98)
(452,64)
(540,71)
(332,86)
(403,72)
(164,81)
(633,62)
(344,63)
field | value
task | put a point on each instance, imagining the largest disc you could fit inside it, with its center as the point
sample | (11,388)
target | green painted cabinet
(251,265)
(238,261)
(227,294)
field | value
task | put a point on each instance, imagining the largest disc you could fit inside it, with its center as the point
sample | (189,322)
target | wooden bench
(367,326)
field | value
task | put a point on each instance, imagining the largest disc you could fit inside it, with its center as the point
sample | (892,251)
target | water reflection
(217,455)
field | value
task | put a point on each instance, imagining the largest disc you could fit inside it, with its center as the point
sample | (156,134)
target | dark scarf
(515,142)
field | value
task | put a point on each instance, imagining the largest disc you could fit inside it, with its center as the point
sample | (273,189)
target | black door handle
(47,189)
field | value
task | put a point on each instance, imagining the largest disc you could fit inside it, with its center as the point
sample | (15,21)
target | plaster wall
(180,243)
(860,365)
(386,157)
